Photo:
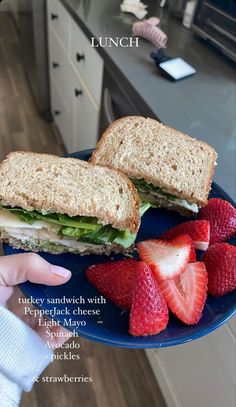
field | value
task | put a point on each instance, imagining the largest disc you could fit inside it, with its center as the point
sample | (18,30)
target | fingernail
(60,271)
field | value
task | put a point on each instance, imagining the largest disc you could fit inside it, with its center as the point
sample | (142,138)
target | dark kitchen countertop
(203,106)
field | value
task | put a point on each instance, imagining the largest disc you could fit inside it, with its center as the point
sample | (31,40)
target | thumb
(18,268)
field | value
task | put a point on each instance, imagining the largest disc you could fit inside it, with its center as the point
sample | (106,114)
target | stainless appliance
(33,34)
(176,8)
(215,20)
(116,102)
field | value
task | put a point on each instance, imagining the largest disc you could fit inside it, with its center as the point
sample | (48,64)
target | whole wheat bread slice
(69,186)
(165,157)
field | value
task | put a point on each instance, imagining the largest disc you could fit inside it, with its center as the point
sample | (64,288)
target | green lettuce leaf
(82,222)
(143,186)
(83,228)
(144,206)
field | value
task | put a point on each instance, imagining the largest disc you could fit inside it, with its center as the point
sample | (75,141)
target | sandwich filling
(54,232)
(156,196)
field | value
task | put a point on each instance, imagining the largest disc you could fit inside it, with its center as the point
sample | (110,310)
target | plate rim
(155,344)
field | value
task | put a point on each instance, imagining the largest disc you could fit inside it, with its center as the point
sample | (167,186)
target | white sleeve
(23,354)
(10,392)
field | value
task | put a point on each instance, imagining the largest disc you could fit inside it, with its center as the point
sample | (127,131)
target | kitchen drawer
(59,19)
(87,61)
(61,114)
(201,373)
(85,117)
(232,325)
(59,66)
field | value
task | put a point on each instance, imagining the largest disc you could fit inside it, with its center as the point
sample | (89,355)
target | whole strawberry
(222,217)
(149,312)
(198,230)
(220,261)
(115,280)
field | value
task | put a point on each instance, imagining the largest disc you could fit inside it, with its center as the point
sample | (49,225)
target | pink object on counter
(148,29)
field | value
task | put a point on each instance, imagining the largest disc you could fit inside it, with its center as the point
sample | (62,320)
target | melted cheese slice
(10,220)
(159,198)
(40,231)
(41,235)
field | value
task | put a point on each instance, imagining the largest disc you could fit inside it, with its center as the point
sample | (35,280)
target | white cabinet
(85,116)
(59,66)
(59,19)
(87,61)
(76,75)
(62,114)
(198,374)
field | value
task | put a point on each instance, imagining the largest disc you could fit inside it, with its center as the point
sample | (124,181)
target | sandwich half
(58,205)
(169,168)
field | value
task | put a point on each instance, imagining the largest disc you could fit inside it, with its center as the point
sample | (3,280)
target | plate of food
(152,252)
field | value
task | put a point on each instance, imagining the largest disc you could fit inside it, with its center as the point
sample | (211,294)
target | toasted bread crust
(69,186)
(122,128)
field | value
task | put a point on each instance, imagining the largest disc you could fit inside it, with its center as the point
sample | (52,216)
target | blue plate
(111,327)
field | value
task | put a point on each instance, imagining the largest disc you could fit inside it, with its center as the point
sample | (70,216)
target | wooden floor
(21,127)
(121,377)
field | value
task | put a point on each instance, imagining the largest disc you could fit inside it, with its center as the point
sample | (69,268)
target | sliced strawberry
(149,312)
(193,257)
(115,280)
(198,230)
(220,261)
(167,259)
(186,294)
(222,217)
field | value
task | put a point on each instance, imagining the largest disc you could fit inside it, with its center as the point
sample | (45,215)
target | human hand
(18,268)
